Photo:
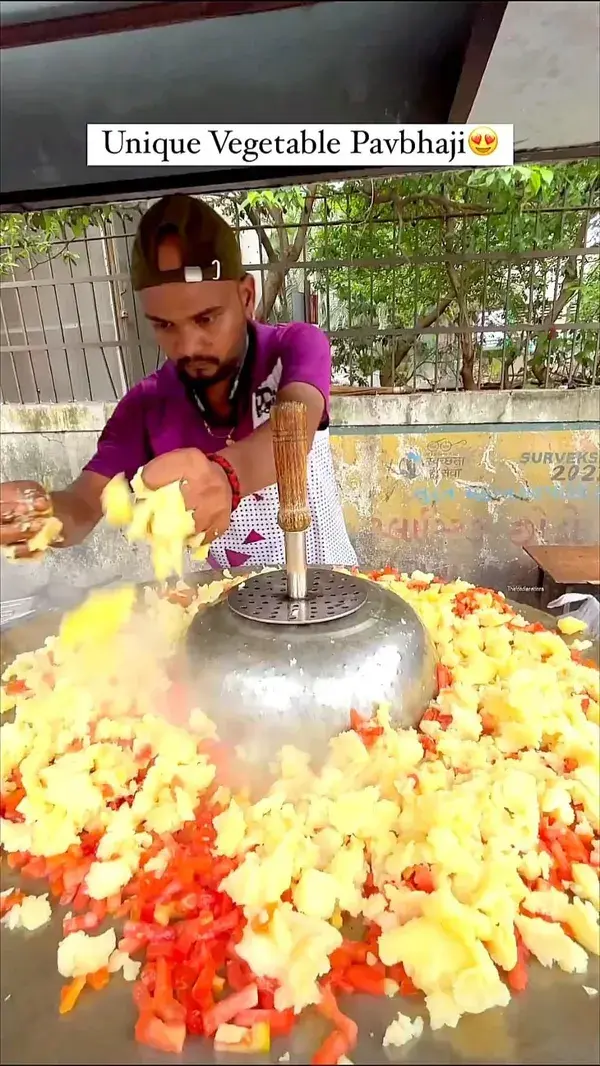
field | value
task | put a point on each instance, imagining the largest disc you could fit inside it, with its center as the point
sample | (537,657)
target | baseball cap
(210,250)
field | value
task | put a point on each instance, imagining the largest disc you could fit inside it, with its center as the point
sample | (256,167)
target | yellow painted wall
(468,502)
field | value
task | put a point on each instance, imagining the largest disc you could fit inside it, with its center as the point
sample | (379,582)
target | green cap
(210,251)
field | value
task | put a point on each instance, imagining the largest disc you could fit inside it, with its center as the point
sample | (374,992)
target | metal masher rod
(290,450)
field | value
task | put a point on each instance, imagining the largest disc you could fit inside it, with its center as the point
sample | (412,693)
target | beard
(201,371)
(205,370)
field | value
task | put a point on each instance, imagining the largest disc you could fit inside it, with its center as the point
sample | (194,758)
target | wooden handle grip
(290,450)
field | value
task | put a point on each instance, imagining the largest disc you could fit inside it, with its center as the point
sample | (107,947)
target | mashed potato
(453,839)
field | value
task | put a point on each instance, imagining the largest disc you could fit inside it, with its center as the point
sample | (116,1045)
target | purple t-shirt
(158,415)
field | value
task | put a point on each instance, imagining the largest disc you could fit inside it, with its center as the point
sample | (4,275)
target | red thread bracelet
(233,479)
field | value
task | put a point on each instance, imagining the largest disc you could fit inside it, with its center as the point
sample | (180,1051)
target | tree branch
(443,204)
(282,230)
(279,268)
(254,219)
(305,214)
(402,344)
(571,282)
(459,284)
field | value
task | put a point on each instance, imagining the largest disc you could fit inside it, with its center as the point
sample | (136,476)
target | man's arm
(252,458)
(306,377)
(79,507)
(122,448)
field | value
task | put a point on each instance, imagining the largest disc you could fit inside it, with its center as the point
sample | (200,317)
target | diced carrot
(422,878)
(518,977)
(444,677)
(69,994)
(99,979)
(334,1047)
(16,687)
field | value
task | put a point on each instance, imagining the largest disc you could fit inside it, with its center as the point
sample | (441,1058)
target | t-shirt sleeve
(123,444)
(306,357)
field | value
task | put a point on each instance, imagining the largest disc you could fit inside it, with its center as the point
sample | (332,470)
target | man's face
(201,326)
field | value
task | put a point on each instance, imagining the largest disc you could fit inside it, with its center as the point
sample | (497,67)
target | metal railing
(416,293)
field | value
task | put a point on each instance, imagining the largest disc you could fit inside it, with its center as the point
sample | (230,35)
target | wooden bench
(565,568)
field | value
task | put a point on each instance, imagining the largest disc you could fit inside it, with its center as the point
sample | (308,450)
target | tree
(465,252)
(281,221)
(26,239)
(457,252)
(450,279)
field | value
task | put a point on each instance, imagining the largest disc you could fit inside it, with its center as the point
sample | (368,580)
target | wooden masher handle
(290,450)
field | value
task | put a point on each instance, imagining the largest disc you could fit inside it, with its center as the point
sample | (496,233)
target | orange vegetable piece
(99,979)
(69,994)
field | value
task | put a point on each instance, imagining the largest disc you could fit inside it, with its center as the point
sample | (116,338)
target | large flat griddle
(554,1022)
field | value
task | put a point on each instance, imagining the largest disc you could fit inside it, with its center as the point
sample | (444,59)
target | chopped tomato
(226,1009)
(365,978)
(165,1004)
(113,904)
(239,975)
(518,977)
(433,714)
(36,868)
(194,1022)
(280,1022)
(15,687)
(203,989)
(18,859)
(408,987)
(375,575)
(351,951)
(79,922)
(328,1007)
(573,846)
(554,837)
(444,677)
(345,1033)
(9,801)
(142,997)
(488,723)
(157,1034)
(333,1048)
(422,878)
(69,994)
(429,744)
(368,730)
(8,902)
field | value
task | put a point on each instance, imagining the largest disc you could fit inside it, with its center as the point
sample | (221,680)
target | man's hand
(24,507)
(205,487)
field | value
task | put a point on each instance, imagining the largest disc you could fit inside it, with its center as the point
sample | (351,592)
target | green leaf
(547,175)
(534,182)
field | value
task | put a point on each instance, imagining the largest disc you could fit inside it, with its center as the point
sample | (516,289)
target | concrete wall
(457,483)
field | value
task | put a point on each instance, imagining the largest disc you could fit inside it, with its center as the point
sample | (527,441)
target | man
(203,418)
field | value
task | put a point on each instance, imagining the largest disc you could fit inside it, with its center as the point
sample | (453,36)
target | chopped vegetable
(228,1008)
(69,994)
(162,1036)
(462,846)
(99,979)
